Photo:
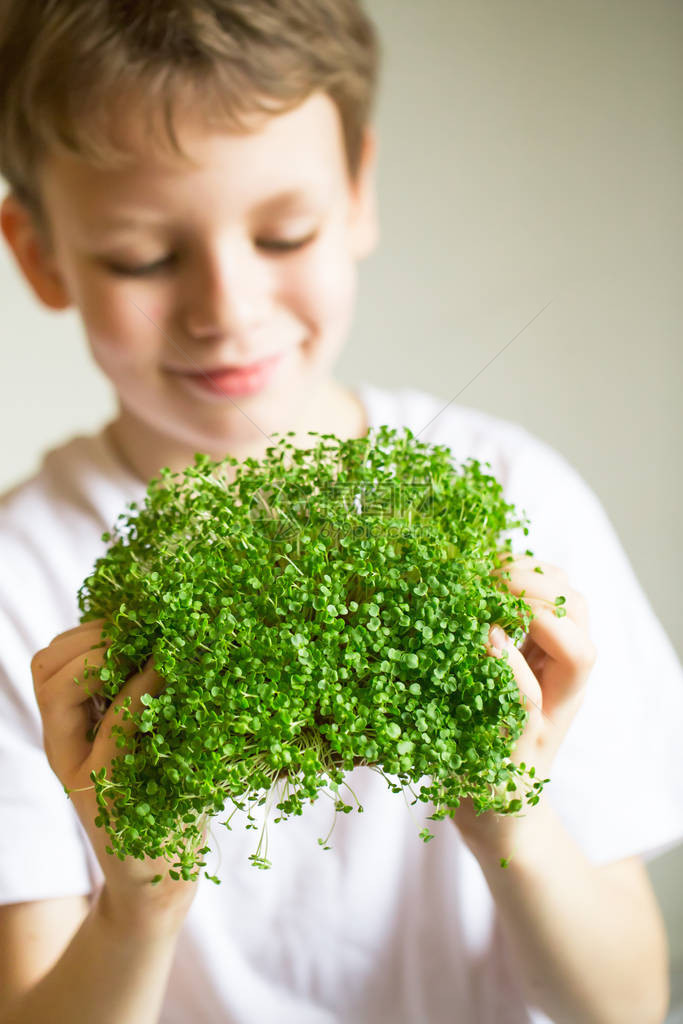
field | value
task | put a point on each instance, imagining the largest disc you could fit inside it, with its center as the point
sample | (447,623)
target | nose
(223,295)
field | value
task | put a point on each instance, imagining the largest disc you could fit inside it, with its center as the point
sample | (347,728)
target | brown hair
(67,67)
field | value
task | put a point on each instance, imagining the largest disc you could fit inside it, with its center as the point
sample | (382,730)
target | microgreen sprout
(307,618)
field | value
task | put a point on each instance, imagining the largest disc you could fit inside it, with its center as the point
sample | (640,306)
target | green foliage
(307,618)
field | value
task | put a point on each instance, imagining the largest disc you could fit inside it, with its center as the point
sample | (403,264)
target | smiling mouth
(217,371)
(241,381)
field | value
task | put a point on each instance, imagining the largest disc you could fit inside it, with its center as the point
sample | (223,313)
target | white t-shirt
(382,927)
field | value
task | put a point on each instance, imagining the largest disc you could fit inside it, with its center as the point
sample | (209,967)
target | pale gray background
(531,152)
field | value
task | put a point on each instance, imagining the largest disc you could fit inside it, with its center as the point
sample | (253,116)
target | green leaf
(234,588)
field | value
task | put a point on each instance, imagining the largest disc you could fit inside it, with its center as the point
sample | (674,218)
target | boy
(216,294)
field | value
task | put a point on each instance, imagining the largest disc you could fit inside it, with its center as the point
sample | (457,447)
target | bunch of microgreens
(327,608)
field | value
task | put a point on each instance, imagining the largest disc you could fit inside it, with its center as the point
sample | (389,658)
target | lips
(235,381)
(217,371)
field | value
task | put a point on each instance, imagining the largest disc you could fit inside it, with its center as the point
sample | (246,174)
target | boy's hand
(552,669)
(65,708)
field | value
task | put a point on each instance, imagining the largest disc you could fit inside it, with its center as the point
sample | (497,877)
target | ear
(364,219)
(33,253)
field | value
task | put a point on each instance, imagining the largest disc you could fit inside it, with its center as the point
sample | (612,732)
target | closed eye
(140,271)
(286,245)
(275,245)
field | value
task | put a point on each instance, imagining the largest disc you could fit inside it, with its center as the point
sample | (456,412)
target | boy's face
(225,291)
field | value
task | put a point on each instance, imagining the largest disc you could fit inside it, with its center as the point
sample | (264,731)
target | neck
(144,450)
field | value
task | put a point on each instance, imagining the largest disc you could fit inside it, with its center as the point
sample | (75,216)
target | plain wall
(530,156)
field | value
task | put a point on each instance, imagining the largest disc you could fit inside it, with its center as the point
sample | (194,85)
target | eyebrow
(288,198)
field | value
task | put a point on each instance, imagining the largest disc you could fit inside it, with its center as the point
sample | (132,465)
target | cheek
(324,290)
(120,333)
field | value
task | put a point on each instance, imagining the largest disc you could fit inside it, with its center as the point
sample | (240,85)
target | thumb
(108,746)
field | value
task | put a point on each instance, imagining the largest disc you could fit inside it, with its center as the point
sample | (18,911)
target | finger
(536,659)
(529,562)
(105,747)
(550,577)
(64,703)
(82,626)
(529,585)
(528,646)
(62,649)
(526,680)
(563,639)
(535,568)
(74,683)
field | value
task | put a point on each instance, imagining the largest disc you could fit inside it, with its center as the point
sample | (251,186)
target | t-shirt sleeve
(44,851)
(617,780)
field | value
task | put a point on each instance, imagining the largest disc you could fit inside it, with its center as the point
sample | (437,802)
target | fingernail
(499,638)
